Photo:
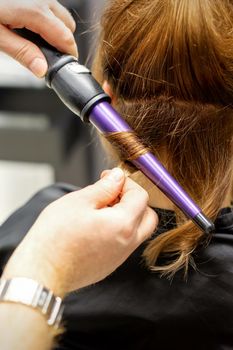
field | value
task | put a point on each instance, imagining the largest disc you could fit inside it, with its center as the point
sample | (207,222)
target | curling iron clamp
(80,92)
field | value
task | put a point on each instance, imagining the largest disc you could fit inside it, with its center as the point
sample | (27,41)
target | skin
(39,16)
(76,241)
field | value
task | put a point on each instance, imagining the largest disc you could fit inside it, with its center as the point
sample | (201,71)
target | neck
(157,199)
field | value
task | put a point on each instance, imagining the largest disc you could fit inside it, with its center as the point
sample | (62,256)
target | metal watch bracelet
(29,292)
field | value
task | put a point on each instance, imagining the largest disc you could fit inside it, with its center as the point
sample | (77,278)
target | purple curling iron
(80,92)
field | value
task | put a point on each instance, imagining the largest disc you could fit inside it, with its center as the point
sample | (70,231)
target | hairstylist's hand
(48,18)
(83,237)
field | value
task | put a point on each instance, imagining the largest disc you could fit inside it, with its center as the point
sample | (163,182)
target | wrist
(30,261)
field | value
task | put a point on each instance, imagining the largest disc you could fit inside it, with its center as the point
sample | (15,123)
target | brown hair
(170,65)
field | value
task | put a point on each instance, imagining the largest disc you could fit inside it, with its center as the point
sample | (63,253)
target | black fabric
(135,308)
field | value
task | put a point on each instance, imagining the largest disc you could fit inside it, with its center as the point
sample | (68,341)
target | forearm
(24,328)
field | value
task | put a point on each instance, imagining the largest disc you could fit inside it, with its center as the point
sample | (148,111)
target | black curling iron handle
(72,82)
(54,58)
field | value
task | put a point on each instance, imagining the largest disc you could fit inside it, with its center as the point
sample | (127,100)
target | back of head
(170,65)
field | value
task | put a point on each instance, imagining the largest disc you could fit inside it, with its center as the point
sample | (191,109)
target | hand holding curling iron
(37,16)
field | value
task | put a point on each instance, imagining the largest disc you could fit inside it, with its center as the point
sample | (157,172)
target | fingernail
(116,174)
(39,67)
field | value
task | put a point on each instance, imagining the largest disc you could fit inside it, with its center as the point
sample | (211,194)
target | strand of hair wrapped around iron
(128,144)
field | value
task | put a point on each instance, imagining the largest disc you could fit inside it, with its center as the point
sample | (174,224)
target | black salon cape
(136,309)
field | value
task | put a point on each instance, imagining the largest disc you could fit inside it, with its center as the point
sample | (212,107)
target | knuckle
(67,37)
(127,234)
(127,227)
(144,196)
(154,219)
(21,53)
(128,231)
(42,3)
(72,27)
(69,41)
(34,15)
(71,22)
(37,8)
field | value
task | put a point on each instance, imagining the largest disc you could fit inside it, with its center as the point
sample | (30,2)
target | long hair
(170,65)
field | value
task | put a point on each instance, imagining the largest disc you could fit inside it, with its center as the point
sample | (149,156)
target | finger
(104,173)
(147,226)
(106,190)
(23,51)
(54,31)
(116,200)
(134,200)
(64,15)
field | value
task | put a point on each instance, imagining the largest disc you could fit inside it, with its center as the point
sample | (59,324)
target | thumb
(22,50)
(107,189)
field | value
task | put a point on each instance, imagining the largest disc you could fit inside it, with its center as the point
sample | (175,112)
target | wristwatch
(29,292)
